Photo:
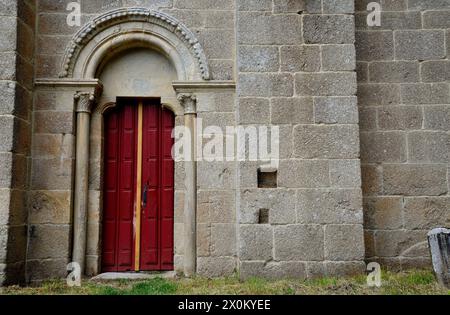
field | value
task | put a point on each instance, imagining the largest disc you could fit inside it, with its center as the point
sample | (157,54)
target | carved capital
(189,102)
(84,102)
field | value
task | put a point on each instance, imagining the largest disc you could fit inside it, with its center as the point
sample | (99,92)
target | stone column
(83,107)
(189,102)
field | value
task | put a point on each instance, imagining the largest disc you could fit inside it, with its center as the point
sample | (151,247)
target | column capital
(84,102)
(189,102)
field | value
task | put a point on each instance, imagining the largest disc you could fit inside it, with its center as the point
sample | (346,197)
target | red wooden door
(138,188)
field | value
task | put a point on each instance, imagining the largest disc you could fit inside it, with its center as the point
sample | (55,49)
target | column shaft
(81,189)
(190,205)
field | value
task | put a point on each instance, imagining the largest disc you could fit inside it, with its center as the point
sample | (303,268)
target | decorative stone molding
(189,102)
(84,102)
(114,17)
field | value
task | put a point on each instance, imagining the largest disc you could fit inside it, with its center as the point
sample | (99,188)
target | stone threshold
(111,276)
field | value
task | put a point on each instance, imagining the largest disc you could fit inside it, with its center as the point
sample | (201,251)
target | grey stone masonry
(17,23)
(404,106)
(363,114)
(297,71)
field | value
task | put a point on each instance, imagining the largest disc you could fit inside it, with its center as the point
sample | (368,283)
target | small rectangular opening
(267,179)
(263,216)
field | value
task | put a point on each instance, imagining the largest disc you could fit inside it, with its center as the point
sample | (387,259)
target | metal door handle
(144,196)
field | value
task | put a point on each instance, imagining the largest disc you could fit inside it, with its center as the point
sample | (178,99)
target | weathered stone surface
(13,210)
(254,5)
(345,173)
(53,174)
(53,145)
(438,93)
(397,243)
(256,242)
(428,5)
(223,240)
(325,84)
(336,110)
(257,28)
(315,270)
(254,111)
(338,6)
(400,117)
(305,58)
(435,71)
(419,45)
(362,71)
(216,266)
(221,70)
(203,239)
(384,213)
(214,102)
(372,46)
(218,44)
(326,142)
(369,244)
(303,174)
(344,242)
(437,117)
(415,180)
(372,180)
(49,241)
(344,269)
(293,111)
(265,85)
(329,206)
(54,122)
(279,202)
(216,206)
(436,19)
(288,6)
(394,71)
(409,20)
(368,118)
(338,57)
(258,59)
(328,29)
(425,213)
(429,147)
(216,175)
(378,94)
(50,207)
(178,233)
(387,147)
(288,248)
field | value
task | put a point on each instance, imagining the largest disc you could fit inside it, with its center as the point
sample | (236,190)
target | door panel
(120,183)
(157,224)
(157,209)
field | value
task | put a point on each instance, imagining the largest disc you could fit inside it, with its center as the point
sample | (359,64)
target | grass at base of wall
(402,283)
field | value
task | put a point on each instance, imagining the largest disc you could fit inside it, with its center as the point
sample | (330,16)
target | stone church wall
(404,102)
(17,31)
(296,64)
(356,106)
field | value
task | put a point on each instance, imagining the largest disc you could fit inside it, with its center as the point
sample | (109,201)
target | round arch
(134,27)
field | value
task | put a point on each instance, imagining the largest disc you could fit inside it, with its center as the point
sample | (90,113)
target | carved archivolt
(111,18)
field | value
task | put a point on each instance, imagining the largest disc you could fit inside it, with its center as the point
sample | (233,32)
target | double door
(138,209)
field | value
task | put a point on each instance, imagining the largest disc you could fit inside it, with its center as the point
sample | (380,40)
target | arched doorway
(138,168)
(91,51)
(138,189)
